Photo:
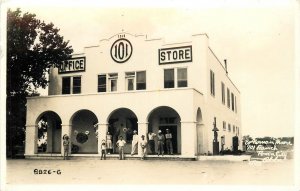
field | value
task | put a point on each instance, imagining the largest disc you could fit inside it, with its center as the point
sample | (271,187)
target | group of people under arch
(147,144)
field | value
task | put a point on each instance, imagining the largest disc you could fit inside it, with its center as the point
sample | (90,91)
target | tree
(33,47)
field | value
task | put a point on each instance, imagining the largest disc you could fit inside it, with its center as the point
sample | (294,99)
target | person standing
(66,144)
(103,150)
(121,143)
(109,142)
(143,144)
(151,136)
(160,143)
(135,140)
(169,143)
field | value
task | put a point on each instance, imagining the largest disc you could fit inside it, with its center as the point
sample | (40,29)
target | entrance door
(173,130)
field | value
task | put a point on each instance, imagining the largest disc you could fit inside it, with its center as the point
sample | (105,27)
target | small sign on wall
(175,55)
(72,65)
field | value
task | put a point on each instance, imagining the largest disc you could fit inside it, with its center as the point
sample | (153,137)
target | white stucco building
(128,82)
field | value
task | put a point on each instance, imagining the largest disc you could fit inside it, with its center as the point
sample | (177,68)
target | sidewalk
(95,171)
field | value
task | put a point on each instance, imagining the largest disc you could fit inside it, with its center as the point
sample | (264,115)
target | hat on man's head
(134,131)
(159,131)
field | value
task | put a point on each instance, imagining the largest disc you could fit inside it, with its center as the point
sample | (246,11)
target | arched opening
(84,137)
(122,122)
(199,130)
(49,133)
(163,118)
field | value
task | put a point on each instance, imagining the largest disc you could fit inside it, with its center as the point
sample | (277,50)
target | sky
(256,37)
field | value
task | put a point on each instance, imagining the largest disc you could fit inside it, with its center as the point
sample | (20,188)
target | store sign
(121,50)
(175,55)
(72,65)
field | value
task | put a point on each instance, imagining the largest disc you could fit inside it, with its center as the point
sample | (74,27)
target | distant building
(129,82)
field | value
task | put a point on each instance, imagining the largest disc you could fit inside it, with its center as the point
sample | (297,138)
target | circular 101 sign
(121,50)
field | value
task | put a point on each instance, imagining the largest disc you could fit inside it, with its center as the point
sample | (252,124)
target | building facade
(129,82)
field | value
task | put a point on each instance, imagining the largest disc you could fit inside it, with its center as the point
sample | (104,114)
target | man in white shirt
(169,142)
(143,144)
(135,140)
(109,142)
(151,136)
(121,143)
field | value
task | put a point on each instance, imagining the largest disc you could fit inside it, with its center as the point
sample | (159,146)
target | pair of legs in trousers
(160,147)
(121,153)
(103,154)
(144,150)
(169,146)
(134,147)
(152,146)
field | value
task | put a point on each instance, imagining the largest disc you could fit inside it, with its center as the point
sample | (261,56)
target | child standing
(103,150)
(121,143)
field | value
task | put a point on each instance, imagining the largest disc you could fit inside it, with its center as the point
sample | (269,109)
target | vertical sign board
(72,65)
(175,55)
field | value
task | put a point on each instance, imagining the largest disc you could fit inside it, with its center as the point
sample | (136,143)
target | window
(229,127)
(233,129)
(232,101)
(182,77)
(130,80)
(237,131)
(212,83)
(141,80)
(169,78)
(113,78)
(66,85)
(235,104)
(77,85)
(228,98)
(223,92)
(224,126)
(167,120)
(102,83)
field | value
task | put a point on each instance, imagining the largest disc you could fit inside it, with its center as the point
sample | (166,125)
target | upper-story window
(102,83)
(224,126)
(66,85)
(233,129)
(141,80)
(175,74)
(232,101)
(169,78)
(229,127)
(228,98)
(113,81)
(212,83)
(223,92)
(129,77)
(76,85)
(235,104)
(182,77)
(135,80)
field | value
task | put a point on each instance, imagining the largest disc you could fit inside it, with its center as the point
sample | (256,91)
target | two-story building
(129,82)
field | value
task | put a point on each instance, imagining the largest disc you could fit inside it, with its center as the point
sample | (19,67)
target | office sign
(121,50)
(72,65)
(175,55)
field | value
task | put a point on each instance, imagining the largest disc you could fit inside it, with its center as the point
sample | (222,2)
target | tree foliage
(33,47)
